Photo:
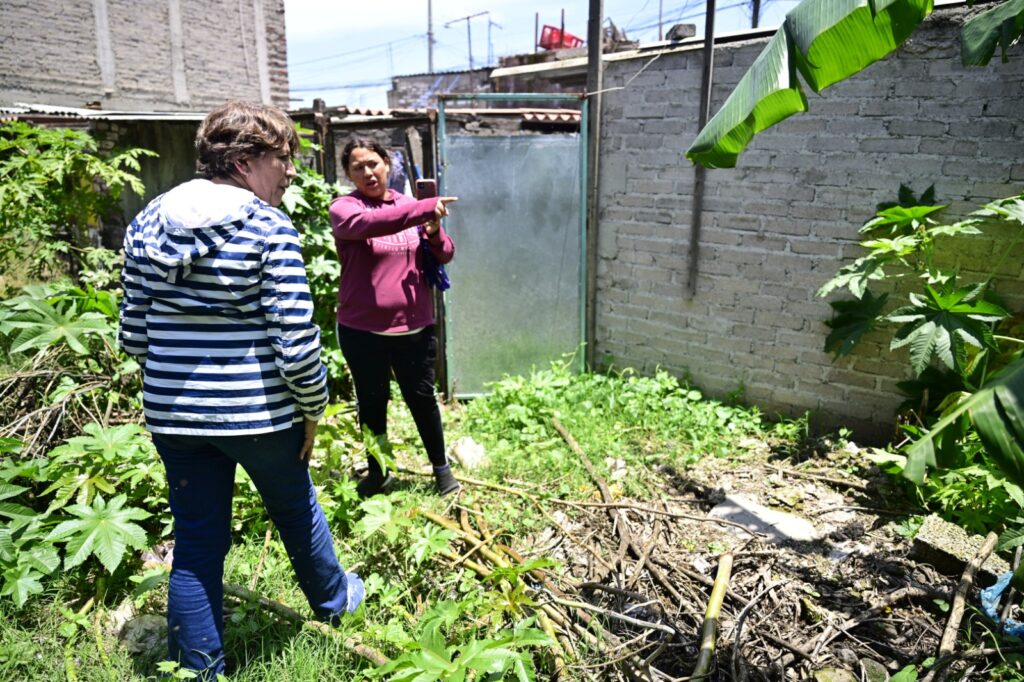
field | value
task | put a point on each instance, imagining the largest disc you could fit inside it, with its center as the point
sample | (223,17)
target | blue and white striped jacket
(217,305)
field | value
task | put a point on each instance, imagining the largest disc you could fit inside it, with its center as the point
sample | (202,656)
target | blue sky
(346,53)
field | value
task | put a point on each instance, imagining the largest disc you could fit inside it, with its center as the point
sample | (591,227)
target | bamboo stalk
(559,655)
(712,616)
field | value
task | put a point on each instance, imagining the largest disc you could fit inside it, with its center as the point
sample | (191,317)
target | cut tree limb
(277,608)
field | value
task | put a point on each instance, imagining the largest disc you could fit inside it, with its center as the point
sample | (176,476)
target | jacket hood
(193,220)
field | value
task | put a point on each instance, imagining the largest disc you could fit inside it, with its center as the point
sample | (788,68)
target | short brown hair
(237,129)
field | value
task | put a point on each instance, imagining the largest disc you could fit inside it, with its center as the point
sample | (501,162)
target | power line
(358,50)
(694,15)
(349,62)
(344,86)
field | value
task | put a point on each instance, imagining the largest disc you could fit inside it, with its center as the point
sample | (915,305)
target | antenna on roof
(469,34)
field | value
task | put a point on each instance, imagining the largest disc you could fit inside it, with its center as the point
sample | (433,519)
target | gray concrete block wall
(49,54)
(781,223)
(420,91)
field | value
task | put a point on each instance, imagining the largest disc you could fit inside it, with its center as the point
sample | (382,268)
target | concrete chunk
(949,548)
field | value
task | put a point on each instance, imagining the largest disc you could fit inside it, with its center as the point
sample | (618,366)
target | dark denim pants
(201,474)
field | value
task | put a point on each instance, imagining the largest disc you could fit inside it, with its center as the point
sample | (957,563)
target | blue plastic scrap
(990,605)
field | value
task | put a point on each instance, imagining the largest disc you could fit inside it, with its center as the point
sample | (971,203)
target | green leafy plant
(966,349)
(36,499)
(105,460)
(26,557)
(55,185)
(826,42)
(950,330)
(42,323)
(380,515)
(61,343)
(943,322)
(430,657)
(103,529)
(617,414)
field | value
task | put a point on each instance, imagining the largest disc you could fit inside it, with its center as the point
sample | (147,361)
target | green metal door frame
(583,163)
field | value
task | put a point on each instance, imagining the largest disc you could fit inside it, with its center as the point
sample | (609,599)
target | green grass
(653,426)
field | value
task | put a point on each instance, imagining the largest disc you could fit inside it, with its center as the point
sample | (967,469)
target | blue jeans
(201,477)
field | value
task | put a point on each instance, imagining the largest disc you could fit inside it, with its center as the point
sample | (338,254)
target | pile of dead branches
(634,601)
(53,396)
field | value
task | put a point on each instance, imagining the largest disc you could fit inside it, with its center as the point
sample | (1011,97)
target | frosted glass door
(515,301)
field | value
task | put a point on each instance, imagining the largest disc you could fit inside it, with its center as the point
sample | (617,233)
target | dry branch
(956,613)
(351,643)
(712,617)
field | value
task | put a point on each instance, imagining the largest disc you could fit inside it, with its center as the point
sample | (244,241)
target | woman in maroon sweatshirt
(385,307)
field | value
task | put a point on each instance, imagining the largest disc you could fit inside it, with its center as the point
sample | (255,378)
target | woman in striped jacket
(217,309)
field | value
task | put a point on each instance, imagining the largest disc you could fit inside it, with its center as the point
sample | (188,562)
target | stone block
(949,548)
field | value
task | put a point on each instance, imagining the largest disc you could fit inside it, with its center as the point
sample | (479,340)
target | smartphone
(426,188)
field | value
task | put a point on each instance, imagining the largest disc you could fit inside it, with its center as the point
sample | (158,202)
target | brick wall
(141,58)
(782,223)
(421,90)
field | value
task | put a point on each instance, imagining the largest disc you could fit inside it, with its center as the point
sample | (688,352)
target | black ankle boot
(373,483)
(445,481)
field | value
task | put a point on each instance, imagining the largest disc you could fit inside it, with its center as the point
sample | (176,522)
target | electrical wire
(358,50)
(365,58)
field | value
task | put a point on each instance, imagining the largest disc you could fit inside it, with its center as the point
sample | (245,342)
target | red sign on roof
(552,38)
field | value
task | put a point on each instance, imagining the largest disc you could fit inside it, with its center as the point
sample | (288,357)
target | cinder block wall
(152,55)
(421,90)
(785,220)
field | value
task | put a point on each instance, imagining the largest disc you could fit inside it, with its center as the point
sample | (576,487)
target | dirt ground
(848,603)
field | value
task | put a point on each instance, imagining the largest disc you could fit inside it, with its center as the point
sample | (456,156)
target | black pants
(372,358)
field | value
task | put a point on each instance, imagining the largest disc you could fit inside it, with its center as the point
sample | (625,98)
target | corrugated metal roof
(34,111)
(57,113)
(533,115)
(553,116)
(578,65)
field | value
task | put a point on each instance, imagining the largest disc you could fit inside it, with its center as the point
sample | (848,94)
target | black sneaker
(374,484)
(446,483)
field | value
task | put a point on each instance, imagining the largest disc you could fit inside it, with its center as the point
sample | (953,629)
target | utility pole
(660,37)
(469,34)
(756,14)
(430,36)
(595,84)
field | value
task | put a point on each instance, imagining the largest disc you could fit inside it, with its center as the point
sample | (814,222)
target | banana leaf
(1000,25)
(768,92)
(826,41)
(997,411)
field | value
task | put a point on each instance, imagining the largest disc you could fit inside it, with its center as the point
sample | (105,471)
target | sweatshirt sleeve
(353,220)
(288,307)
(442,246)
(131,334)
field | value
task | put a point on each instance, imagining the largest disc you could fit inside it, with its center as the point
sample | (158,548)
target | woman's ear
(241,165)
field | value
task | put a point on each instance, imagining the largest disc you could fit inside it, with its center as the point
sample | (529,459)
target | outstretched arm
(352,220)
